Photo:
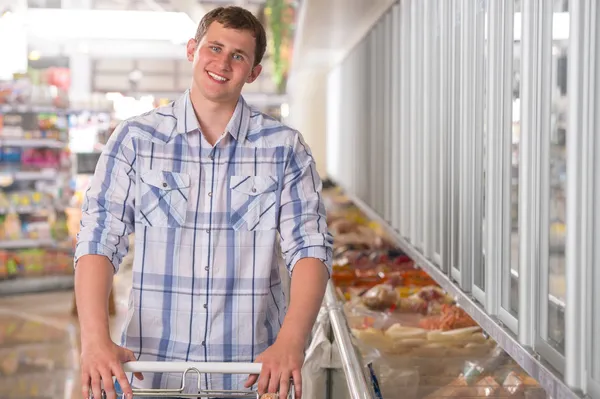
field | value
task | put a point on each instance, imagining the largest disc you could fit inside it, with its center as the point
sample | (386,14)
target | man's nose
(224,61)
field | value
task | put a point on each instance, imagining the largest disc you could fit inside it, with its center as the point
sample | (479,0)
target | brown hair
(238,18)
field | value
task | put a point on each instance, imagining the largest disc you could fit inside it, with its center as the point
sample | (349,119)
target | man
(211,189)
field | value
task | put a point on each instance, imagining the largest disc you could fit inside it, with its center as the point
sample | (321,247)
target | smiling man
(214,191)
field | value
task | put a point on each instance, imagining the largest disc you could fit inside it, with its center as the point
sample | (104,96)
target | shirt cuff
(96,248)
(323,253)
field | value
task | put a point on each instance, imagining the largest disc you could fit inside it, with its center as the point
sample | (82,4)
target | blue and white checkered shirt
(210,223)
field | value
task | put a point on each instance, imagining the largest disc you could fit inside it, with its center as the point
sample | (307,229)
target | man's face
(223,62)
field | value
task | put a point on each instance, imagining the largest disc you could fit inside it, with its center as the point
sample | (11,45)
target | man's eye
(238,57)
(214,48)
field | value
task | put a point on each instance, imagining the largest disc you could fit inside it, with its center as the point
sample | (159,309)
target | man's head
(226,53)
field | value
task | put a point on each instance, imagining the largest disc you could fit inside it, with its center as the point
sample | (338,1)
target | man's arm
(93,282)
(307,248)
(107,219)
(309,281)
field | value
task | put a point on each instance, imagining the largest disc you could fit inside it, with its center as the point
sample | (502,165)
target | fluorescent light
(110,24)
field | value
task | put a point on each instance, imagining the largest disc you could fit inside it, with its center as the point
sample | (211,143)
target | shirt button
(165,184)
(210,194)
(206,268)
(203,343)
(207,231)
(205,306)
(253,190)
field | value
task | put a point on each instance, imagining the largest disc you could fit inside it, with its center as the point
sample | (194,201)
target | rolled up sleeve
(303,220)
(108,206)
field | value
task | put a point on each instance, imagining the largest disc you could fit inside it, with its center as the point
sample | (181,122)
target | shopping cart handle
(181,367)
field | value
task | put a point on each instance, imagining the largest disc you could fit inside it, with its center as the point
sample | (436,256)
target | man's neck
(212,117)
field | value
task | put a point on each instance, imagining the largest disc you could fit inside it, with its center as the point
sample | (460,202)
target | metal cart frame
(198,368)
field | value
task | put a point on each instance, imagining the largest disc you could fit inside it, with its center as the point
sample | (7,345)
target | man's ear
(254,74)
(191,49)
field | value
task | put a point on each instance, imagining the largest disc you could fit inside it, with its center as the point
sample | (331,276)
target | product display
(407,325)
(35,189)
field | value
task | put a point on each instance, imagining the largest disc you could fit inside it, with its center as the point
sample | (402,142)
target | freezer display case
(468,131)
(409,338)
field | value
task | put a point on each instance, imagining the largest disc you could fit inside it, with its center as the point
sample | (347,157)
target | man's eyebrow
(216,43)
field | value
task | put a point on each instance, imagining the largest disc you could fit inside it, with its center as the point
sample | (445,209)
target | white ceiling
(328,29)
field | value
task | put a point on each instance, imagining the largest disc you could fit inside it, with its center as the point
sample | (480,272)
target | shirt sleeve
(108,206)
(303,220)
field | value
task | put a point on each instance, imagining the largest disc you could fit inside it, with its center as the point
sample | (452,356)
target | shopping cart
(189,368)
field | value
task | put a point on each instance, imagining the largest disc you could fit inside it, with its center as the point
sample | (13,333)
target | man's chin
(220,97)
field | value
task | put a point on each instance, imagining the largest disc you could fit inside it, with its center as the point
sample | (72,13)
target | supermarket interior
(456,140)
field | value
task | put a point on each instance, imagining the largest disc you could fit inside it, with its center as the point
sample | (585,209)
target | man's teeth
(217,77)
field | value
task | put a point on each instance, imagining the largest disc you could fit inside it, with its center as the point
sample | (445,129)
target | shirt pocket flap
(253,185)
(166,180)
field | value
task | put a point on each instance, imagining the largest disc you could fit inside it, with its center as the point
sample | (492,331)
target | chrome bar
(358,385)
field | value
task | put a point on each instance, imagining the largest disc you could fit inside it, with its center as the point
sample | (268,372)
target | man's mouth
(217,78)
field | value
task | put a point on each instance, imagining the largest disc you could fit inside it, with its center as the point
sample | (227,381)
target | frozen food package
(487,387)
(521,386)
(514,385)
(473,372)
(380,297)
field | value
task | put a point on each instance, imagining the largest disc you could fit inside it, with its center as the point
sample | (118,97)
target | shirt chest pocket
(163,198)
(253,202)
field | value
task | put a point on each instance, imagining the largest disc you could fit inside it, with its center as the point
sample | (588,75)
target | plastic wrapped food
(451,318)
(466,385)
(380,297)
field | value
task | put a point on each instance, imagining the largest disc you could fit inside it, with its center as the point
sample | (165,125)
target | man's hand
(280,363)
(99,363)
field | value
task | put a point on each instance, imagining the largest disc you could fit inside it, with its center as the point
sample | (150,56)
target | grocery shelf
(536,367)
(31,285)
(20,142)
(26,243)
(47,109)
(25,210)
(30,176)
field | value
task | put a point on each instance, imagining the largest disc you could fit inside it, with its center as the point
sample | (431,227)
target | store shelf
(30,285)
(47,109)
(28,210)
(23,108)
(32,143)
(26,243)
(29,176)
(537,368)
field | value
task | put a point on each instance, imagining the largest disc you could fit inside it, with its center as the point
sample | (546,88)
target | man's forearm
(309,281)
(93,282)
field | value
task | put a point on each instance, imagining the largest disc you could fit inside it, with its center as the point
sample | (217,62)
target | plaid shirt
(210,225)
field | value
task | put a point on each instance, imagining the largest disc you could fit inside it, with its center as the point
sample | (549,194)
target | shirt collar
(187,121)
